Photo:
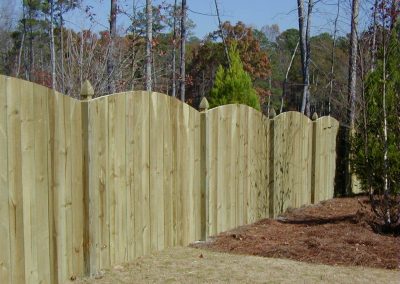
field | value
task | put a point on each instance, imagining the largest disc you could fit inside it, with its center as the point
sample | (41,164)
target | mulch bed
(334,232)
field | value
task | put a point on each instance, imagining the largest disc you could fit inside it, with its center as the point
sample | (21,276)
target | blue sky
(256,13)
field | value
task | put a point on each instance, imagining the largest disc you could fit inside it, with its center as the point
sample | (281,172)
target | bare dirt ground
(334,232)
(326,243)
(188,265)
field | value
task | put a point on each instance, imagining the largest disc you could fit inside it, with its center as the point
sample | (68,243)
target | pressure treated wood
(85,185)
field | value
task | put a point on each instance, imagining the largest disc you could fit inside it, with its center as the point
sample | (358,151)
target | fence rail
(87,184)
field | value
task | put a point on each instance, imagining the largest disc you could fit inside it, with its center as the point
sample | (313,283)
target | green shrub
(233,85)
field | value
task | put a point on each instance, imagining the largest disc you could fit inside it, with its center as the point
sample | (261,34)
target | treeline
(271,57)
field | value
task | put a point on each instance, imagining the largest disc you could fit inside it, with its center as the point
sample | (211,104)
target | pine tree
(233,85)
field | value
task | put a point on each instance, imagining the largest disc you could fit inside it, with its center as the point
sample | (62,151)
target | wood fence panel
(77,185)
(141,170)
(240,168)
(186,172)
(213,118)
(263,156)
(157,114)
(52,185)
(28,182)
(232,182)
(15,181)
(130,107)
(196,226)
(176,153)
(5,240)
(41,192)
(292,161)
(168,172)
(118,192)
(251,164)
(123,175)
(325,157)
(98,184)
(305,162)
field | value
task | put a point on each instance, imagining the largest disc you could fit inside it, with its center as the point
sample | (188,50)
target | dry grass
(188,265)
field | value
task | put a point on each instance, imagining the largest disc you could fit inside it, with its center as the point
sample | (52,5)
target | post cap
(87,90)
(314,116)
(204,105)
(272,113)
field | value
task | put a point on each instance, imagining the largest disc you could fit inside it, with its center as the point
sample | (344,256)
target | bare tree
(111,52)
(304,30)
(222,34)
(183,52)
(149,13)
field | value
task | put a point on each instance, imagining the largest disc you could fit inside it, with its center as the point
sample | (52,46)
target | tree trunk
(174,55)
(352,88)
(287,75)
(353,63)
(111,52)
(52,48)
(303,49)
(62,48)
(306,92)
(21,48)
(333,57)
(183,51)
(149,13)
(386,192)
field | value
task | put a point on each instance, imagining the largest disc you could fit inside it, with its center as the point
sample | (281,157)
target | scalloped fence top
(87,184)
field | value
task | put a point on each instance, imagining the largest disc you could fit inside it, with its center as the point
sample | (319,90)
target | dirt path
(188,265)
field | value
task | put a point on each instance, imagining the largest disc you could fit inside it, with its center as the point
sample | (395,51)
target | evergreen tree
(233,85)
(369,142)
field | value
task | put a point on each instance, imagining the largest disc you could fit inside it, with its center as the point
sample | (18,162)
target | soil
(189,265)
(334,232)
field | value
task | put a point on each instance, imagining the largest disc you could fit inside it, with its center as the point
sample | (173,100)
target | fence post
(86,94)
(271,150)
(204,167)
(313,155)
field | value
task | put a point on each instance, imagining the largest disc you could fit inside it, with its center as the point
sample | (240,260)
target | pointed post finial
(204,105)
(87,90)
(272,113)
(314,116)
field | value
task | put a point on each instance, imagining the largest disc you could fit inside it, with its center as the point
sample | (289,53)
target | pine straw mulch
(333,232)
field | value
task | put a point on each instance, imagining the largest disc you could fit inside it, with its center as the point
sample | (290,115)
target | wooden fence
(88,184)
